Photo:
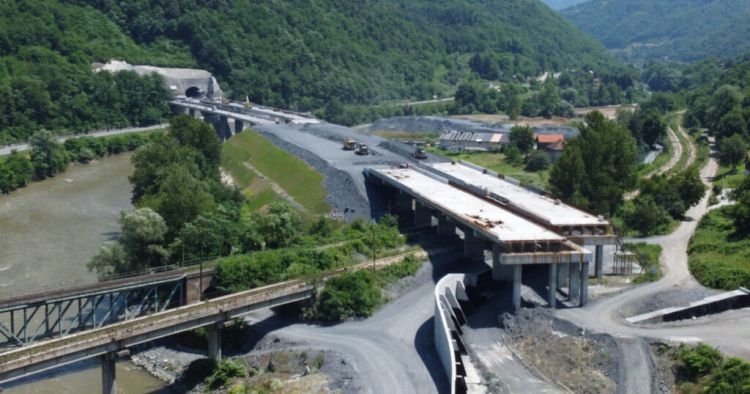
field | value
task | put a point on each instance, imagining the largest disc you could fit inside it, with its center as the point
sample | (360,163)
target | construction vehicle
(362,150)
(419,153)
(247,103)
(350,144)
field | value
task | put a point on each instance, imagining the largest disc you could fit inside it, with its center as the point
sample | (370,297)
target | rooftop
(485,217)
(549,138)
(494,138)
(546,209)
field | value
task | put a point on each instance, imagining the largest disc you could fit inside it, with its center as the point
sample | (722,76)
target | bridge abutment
(109,375)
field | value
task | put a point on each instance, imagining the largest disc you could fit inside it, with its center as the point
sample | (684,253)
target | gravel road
(320,146)
(727,331)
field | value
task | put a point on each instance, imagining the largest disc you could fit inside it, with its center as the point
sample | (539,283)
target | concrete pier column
(422,215)
(445,227)
(552,283)
(599,261)
(214,342)
(562,275)
(575,280)
(225,132)
(473,246)
(191,112)
(584,284)
(239,125)
(517,269)
(109,380)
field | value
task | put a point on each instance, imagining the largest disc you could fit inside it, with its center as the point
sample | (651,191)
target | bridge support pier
(473,245)
(214,342)
(598,261)
(575,278)
(422,215)
(225,132)
(109,381)
(445,228)
(552,289)
(517,270)
(584,284)
(563,276)
(238,126)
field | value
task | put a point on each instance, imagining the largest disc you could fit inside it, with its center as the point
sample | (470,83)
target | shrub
(537,161)
(354,294)
(224,371)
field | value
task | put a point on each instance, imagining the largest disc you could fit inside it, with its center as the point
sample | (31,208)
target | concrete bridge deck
(516,243)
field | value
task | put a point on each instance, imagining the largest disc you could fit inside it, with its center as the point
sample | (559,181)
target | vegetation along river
(48,231)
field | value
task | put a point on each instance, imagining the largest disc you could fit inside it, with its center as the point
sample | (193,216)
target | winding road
(727,331)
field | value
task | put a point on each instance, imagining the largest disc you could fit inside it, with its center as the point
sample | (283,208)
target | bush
(645,216)
(224,371)
(707,370)
(537,161)
(353,294)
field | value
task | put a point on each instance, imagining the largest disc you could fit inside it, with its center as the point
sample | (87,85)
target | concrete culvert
(193,92)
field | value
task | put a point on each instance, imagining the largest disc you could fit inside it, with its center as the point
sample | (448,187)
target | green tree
(609,153)
(652,127)
(198,135)
(522,137)
(110,259)
(180,199)
(47,155)
(279,226)
(15,172)
(645,215)
(732,150)
(731,123)
(537,161)
(354,294)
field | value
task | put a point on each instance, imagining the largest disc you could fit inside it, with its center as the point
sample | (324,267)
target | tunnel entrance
(194,92)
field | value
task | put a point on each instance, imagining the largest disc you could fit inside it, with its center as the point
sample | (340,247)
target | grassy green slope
(684,30)
(718,258)
(248,157)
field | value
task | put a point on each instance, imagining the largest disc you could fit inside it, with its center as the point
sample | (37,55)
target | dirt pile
(580,362)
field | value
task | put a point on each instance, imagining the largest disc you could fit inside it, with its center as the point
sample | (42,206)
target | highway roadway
(6,149)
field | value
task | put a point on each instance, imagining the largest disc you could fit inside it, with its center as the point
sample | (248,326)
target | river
(48,231)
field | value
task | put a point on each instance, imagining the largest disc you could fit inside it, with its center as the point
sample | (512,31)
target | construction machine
(350,144)
(362,150)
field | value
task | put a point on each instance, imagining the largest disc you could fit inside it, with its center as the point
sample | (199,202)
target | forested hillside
(46,50)
(300,54)
(653,29)
(293,54)
(562,4)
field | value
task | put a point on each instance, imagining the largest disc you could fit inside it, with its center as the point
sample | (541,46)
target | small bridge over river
(47,330)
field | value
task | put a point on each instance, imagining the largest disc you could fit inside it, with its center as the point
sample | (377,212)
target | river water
(48,231)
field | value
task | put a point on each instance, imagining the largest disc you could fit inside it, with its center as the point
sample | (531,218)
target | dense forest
(46,51)
(685,30)
(562,4)
(300,54)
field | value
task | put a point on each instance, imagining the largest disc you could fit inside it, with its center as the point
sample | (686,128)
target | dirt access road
(727,331)
(677,152)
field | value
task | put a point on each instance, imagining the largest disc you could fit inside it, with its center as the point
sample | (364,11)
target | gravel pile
(580,361)
(339,184)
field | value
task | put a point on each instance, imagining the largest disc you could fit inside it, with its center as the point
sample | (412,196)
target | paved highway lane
(6,149)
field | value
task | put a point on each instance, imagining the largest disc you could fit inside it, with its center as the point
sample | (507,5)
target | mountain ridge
(659,29)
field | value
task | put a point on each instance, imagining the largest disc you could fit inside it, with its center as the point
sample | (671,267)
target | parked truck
(350,144)
(362,150)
